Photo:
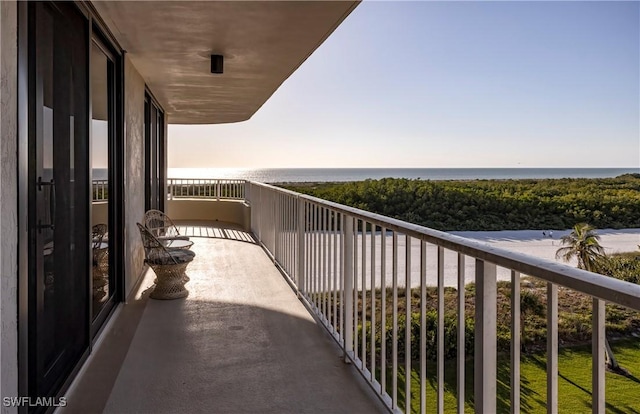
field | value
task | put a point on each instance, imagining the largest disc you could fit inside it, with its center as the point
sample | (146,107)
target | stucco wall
(8,203)
(134,174)
(229,211)
(99,212)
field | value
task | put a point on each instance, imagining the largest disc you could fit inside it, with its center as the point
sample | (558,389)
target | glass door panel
(102,84)
(154,155)
(58,213)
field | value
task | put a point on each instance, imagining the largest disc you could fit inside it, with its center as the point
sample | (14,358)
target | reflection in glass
(100,131)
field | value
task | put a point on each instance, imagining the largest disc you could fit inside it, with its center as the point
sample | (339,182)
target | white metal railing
(338,258)
(206,188)
(100,190)
(218,189)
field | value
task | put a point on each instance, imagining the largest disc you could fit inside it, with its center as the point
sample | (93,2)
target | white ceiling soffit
(263,43)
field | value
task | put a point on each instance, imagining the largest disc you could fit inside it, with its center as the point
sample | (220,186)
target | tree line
(475,205)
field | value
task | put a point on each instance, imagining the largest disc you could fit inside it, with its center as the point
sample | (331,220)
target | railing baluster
(394,349)
(552,348)
(336,249)
(340,219)
(300,276)
(440,330)
(275,220)
(423,327)
(356,343)
(383,310)
(327,269)
(372,341)
(316,246)
(364,294)
(485,338)
(291,234)
(321,265)
(330,287)
(515,342)
(282,219)
(325,263)
(348,276)
(598,344)
(287,231)
(308,283)
(407,325)
(311,248)
(283,229)
(312,252)
(461,333)
(315,255)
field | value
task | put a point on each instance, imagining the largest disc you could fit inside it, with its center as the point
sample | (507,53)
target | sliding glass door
(102,140)
(154,155)
(58,194)
(71,179)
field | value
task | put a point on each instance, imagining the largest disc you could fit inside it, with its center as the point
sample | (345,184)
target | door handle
(41,183)
(52,203)
(41,226)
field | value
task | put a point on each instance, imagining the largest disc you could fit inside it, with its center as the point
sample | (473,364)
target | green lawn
(574,382)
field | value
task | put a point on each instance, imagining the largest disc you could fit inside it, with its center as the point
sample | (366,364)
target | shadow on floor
(241,342)
(216,230)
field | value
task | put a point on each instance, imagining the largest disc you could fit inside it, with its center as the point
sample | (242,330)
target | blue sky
(449,84)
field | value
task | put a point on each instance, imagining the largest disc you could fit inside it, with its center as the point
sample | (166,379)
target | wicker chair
(99,250)
(168,265)
(161,226)
(100,254)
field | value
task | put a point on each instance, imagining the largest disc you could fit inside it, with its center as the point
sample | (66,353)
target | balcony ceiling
(263,43)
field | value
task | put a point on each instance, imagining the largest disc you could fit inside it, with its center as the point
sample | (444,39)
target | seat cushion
(171,257)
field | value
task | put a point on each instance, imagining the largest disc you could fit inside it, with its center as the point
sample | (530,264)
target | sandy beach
(530,242)
(533,243)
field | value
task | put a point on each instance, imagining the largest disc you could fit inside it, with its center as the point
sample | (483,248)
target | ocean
(290,175)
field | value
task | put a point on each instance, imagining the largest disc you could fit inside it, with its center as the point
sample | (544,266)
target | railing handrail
(600,286)
(235,180)
(207,188)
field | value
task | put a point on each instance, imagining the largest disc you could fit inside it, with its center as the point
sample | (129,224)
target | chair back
(159,224)
(98,232)
(153,248)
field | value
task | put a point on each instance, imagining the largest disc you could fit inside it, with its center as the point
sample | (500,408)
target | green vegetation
(574,382)
(493,204)
(574,332)
(499,205)
(574,318)
(584,243)
(623,266)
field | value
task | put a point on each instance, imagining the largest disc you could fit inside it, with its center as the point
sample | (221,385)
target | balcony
(241,342)
(291,290)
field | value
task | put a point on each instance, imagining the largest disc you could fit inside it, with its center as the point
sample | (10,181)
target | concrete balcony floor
(241,342)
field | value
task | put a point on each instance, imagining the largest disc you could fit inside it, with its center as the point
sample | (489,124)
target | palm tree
(584,243)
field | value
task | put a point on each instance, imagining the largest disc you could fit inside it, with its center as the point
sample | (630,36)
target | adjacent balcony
(300,305)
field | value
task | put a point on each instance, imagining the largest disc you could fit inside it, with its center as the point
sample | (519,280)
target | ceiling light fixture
(216,64)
